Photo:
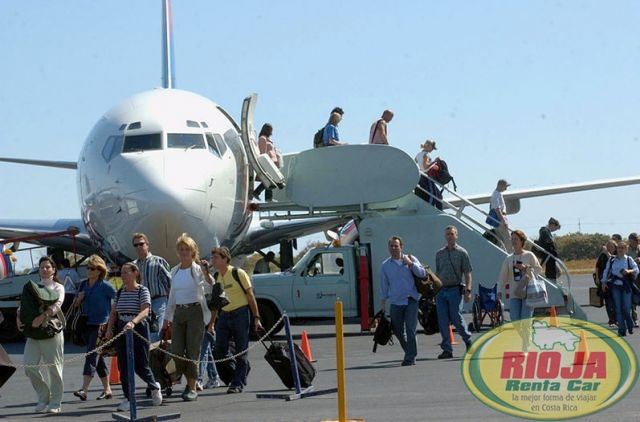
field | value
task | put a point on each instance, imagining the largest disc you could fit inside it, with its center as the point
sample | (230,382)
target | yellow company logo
(550,369)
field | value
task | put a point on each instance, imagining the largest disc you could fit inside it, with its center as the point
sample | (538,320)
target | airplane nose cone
(155,200)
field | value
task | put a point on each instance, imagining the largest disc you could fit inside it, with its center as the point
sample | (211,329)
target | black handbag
(77,325)
(217,299)
(384,333)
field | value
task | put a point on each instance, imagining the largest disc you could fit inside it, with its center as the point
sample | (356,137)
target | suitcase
(158,362)
(277,356)
(594,298)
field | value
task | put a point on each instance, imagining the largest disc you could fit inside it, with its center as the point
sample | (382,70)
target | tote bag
(536,292)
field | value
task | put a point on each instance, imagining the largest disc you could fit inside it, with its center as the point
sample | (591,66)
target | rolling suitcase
(277,356)
(163,369)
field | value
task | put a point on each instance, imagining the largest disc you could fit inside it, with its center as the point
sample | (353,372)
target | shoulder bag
(536,291)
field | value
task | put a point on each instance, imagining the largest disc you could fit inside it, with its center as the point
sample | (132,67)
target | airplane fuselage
(163,162)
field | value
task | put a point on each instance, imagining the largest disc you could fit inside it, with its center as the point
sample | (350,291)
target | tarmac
(377,387)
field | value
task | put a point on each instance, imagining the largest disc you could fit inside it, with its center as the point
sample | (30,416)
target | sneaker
(156,395)
(468,344)
(41,407)
(215,383)
(199,386)
(234,390)
(54,409)
(123,406)
(635,323)
(408,363)
(190,396)
(445,355)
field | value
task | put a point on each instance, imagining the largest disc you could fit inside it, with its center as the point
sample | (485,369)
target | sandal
(104,396)
(81,394)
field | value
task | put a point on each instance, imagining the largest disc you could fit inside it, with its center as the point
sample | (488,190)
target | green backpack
(34,300)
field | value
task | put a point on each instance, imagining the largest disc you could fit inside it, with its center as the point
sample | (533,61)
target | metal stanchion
(132,390)
(300,393)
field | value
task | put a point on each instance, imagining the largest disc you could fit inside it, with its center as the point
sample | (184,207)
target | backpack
(383,331)
(442,174)
(428,315)
(236,277)
(317,138)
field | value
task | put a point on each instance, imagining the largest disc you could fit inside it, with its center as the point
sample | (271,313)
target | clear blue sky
(537,92)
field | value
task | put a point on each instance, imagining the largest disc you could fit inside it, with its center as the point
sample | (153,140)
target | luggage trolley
(488,302)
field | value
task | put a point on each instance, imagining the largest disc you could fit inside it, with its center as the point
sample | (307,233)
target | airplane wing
(49,233)
(512,197)
(69,165)
(271,233)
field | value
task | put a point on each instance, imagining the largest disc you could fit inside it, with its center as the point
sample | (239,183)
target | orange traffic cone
(451,336)
(114,374)
(306,349)
(553,319)
(582,355)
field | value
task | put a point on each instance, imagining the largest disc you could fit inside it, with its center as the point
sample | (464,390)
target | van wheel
(8,329)
(269,316)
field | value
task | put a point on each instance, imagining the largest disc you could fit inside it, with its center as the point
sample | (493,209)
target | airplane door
(265,169)
(321,284)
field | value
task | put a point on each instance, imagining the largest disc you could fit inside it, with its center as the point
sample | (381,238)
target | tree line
(575,246)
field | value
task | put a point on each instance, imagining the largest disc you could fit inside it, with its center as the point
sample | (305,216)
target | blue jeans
(140,357)
(449,307)
(234,325)
(93,362)
(404,320)
(159,307)
(206,357)
(622,302)
(518,309)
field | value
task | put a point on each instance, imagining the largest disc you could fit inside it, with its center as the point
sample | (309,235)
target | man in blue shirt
(452,264)
(330,135)
(397,285)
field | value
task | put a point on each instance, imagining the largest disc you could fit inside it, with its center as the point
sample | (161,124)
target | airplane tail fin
(168,70)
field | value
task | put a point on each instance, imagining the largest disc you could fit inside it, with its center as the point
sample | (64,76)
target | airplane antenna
(168,72)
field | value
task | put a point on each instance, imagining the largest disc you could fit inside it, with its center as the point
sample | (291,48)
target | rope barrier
(108,343)
(228,358)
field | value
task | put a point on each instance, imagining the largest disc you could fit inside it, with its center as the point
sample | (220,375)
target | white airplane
(164,162)
(168,161)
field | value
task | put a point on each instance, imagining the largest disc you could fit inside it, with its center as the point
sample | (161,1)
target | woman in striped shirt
(130,311)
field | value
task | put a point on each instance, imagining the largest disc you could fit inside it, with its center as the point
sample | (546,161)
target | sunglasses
(91,268)
(137,245)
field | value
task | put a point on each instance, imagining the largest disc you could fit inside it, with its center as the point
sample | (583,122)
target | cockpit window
(211,144)
(136,143)
(222,147)
(111,147)
(185,140)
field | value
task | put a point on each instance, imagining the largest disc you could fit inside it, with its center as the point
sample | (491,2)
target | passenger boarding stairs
(375,185)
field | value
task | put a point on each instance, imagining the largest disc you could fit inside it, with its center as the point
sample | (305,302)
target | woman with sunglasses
(95,295)
(129,312)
